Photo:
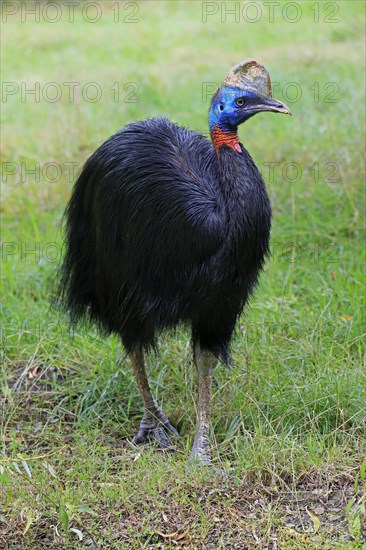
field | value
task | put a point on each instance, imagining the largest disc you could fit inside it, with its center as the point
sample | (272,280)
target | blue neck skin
(224,112)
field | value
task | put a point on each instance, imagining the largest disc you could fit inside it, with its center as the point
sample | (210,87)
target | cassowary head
(245,92)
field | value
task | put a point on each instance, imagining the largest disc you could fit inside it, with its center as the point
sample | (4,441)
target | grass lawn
(289,416)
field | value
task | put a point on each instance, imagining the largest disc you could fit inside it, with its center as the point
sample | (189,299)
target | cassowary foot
(201,451)
(154,426)
(150,435)
(158,431)
(200,460)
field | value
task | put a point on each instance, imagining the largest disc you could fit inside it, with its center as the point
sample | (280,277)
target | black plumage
(160,230)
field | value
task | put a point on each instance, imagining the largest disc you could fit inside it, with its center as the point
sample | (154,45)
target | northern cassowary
(165,227)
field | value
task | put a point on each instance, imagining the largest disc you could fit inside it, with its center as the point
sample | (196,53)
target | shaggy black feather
(162,231)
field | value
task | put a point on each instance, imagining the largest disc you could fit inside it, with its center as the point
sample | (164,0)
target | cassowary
(166,227)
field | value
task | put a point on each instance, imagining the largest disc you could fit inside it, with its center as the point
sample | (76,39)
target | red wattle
(221,137)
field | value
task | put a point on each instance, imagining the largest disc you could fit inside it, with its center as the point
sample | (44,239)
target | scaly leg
(154,423)
(205,362)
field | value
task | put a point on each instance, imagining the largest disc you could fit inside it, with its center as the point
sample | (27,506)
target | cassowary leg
(154,423)
(205,362)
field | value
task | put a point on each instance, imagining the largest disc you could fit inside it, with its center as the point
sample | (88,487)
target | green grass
(289,416)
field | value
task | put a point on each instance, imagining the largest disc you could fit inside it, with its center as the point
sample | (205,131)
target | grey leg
(205,362)
(154,423)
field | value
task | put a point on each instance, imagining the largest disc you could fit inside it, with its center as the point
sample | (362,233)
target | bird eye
(221,107)
(240,101)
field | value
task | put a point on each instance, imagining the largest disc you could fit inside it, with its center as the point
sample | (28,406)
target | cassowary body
(165,227)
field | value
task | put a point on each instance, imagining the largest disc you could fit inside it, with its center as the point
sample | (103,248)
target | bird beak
(273,105)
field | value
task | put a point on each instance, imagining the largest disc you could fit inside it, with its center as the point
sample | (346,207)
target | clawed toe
(161,438)
(142,436)
(171,430)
